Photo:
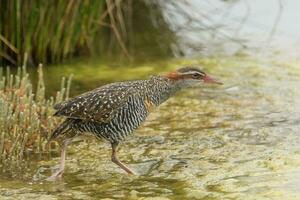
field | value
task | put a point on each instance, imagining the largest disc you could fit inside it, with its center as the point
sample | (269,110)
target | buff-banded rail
(115,110)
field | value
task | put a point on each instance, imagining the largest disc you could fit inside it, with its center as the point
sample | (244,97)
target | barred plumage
(113,117)
(113,111)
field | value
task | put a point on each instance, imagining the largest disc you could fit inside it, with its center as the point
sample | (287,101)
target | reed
(54,31)
(49,31)
(26,119)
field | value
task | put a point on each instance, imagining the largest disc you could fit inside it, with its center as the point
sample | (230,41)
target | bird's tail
(62,129)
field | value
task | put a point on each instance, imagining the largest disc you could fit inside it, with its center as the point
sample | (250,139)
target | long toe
(129,171)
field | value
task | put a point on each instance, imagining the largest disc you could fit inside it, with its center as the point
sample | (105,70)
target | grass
(55,31)
(48,30)
(26,120)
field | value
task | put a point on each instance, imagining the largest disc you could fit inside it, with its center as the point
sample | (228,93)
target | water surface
(236,141)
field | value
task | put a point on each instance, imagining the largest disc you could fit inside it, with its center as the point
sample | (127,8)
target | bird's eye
(196,75)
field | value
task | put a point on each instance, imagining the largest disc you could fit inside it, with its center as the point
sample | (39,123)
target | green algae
(236,141)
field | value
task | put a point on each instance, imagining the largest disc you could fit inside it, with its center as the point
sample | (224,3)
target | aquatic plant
(25,114)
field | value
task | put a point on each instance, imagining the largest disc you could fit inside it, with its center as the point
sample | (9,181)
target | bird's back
(101,104)
(111,111)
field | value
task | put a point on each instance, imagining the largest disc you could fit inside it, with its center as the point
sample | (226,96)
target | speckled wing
(99,105)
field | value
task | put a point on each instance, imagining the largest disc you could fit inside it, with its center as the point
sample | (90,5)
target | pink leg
(116,160)
(58,173)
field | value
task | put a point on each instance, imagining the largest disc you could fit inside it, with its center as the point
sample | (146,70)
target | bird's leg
(58,173)
(116,160)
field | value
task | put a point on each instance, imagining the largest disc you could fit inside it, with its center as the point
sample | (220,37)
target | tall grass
(48,30)
(55,30)
(25,114)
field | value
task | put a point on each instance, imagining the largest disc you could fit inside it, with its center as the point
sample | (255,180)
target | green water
(236,141)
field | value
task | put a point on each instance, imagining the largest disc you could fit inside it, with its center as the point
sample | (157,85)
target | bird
(113,111)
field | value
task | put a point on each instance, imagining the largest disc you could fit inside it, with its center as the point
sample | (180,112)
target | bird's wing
(99,105)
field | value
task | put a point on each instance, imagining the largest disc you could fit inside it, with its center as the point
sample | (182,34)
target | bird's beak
(211,80)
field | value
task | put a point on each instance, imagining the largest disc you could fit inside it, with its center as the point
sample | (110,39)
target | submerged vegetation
(237,141)
(25,114)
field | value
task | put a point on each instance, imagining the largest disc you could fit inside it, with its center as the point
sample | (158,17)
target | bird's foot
(56,175)
(129,171)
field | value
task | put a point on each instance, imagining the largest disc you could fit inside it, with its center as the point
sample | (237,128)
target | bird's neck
(162,88)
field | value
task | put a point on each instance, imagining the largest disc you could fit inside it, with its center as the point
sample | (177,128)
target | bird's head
(191,76)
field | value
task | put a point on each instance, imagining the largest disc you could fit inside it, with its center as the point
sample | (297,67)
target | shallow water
(236,141)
